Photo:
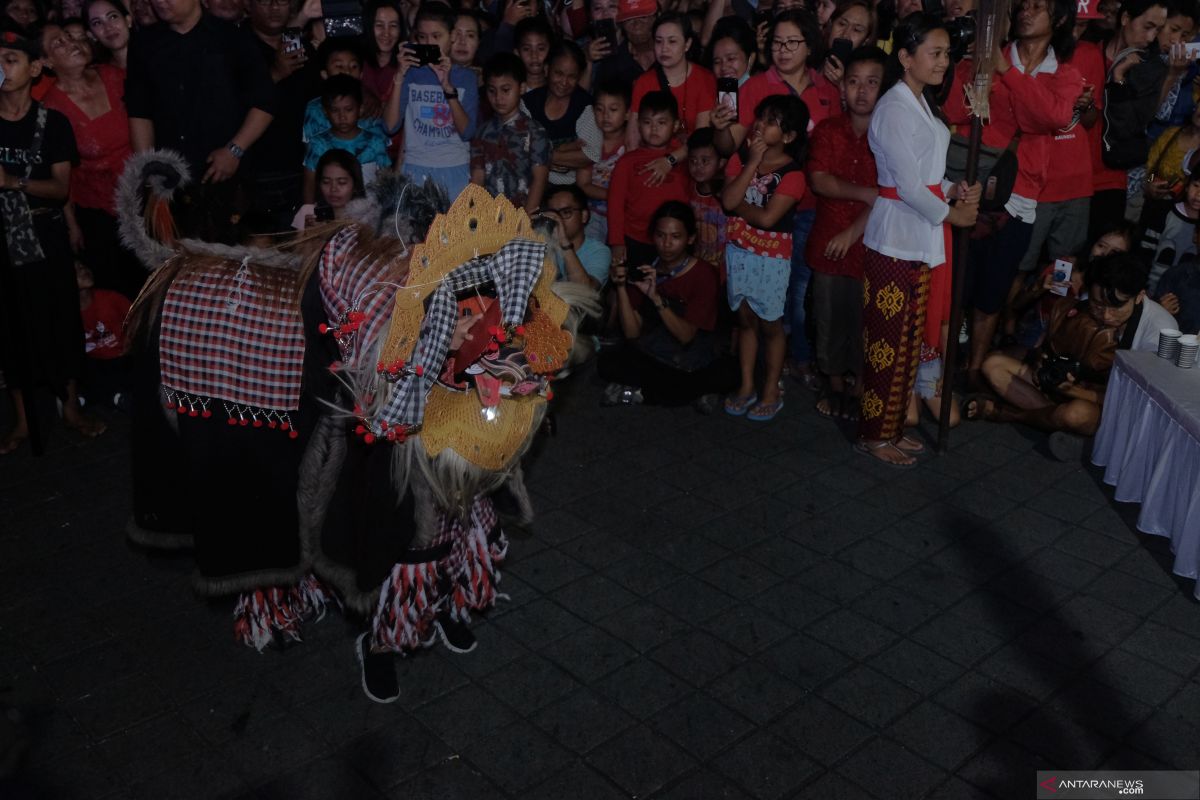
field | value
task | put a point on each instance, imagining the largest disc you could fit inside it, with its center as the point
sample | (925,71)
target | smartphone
(727,93)
(426,53)
(342,18)
(1192,49)
(1062,277)
(323,212)
(607,30)
(841,49)
(292,40)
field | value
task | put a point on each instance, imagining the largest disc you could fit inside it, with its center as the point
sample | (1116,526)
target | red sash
(937,310)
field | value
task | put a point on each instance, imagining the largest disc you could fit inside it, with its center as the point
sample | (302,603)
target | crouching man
(1059,386)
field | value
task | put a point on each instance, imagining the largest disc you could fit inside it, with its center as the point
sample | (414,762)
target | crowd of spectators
(710,168)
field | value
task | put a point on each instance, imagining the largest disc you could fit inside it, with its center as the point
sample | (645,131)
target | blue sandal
(738,406)
(765,412)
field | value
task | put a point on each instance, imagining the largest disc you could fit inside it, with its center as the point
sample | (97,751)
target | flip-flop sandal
(834,404)
(764,412)
(914,448)
(738,406)
(980,401)
(870,451)
(89,428)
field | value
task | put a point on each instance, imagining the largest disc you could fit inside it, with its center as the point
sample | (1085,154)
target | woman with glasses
(796,55)
(108,22)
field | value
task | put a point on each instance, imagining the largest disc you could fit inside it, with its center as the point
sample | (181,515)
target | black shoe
(456,636)
(379,681)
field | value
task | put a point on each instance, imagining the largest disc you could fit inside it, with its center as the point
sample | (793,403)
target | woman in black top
(559,104)
(39,300)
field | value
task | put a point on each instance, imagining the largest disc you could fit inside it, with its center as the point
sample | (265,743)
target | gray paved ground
(705,608)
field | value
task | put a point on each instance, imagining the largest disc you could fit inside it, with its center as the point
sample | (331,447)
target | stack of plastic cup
(1168,344)
(1188,347)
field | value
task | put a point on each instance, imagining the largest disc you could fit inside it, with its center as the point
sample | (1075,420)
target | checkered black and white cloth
(227,336)
(514,270)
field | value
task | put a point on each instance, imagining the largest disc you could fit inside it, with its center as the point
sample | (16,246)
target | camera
(961,29)
(962,35)
(1054,371)
(426,53)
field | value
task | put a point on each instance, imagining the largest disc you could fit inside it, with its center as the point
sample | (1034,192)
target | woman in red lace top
(91,100)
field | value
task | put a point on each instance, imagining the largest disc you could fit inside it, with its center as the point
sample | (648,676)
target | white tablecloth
(1149,443)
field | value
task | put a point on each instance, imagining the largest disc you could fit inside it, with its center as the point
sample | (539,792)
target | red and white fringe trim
(235,414)
(463,581)
(261,614)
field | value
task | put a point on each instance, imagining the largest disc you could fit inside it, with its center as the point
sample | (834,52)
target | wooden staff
(957,280)
(991,26)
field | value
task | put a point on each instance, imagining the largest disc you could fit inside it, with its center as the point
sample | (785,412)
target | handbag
(24,246)
(997,169)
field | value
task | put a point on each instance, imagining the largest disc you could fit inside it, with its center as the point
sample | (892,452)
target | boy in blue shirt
(342,100)
(437,106)
(341,56)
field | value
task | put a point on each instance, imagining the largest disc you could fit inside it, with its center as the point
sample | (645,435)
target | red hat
(632,9)
(1088,9)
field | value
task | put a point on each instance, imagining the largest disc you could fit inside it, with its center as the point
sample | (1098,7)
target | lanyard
(659,280)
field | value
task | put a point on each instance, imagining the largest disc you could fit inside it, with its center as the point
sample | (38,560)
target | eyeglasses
(786,45)
(566,212)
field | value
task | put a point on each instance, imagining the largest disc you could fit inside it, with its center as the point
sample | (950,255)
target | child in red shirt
(632,200)
(841,168)
(707,170)
(103,312)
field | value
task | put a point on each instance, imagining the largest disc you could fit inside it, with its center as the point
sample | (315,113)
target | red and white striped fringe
(262,614)
(465,580)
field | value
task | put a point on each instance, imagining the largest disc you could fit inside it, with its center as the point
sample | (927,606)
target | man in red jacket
(1034,94)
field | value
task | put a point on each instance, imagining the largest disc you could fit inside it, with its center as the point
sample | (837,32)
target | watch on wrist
(237,151)
(663,304)
(568,246)
(451,94)
(22,183)
(671,159)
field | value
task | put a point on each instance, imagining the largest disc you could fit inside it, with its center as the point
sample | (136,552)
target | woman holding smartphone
(339,180)
(852,23)
(732,50)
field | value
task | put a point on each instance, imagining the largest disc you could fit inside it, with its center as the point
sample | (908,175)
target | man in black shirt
(197,84)
(274,166)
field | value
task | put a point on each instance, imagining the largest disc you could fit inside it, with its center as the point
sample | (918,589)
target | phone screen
(727,93)
(841,49)
(607,29)
(292,40)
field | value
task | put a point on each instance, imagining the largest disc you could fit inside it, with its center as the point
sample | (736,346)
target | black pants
(663,385)
(1107,212)
(113,266)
